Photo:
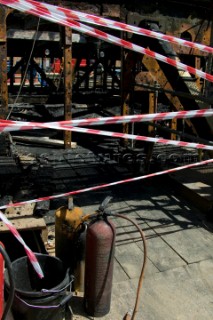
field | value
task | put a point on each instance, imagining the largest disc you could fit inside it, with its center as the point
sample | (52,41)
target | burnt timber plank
(22,224)
(191,185)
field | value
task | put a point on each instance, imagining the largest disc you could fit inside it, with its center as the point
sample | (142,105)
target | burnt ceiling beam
(40,35)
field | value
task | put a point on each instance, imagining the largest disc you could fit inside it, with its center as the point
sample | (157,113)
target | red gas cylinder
(1,283)
(99,260)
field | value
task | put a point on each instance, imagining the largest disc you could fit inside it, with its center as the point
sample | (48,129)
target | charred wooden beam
(92,8)
(67,83)
(111,10)
(159,76)
(41,35)
(3,62)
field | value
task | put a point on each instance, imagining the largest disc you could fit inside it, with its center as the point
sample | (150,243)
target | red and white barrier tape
(8,125)
(41,10)
(116,135)
(139,138)
(100,21)
(128,136)
(28,251)
(138,118)
(105,185)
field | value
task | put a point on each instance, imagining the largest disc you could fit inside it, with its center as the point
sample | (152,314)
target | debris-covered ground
(178,277)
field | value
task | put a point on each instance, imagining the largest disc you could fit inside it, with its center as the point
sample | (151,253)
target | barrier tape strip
(28,251)
(140,118)
(7,125)
(105,185)
(120,135)
(139,138)
(42,11)
(133,137)
(116,25)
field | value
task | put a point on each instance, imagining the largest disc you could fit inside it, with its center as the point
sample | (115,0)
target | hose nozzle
(128,316)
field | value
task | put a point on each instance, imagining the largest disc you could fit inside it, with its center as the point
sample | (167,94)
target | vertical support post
(127,81)
(151,129)
(3,63)
(152,107)
(126,77)
(125,89)
(12,79)
(198,66)
(87,74)
(67,83)
(174,127)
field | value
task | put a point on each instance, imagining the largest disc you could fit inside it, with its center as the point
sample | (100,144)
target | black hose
(11,280)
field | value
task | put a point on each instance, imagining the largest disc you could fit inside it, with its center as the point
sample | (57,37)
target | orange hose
(140,282)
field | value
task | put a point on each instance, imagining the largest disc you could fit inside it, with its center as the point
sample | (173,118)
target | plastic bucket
(40,299)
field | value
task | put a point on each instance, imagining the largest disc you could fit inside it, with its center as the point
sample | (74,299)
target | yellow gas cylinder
(69,241)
